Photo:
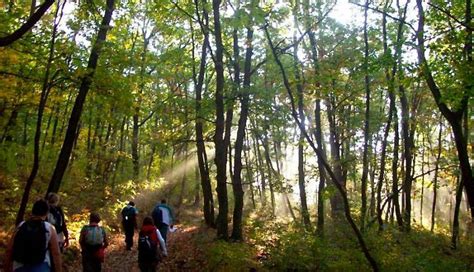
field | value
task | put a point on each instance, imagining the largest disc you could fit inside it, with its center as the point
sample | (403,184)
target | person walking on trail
(93,241)
(57,219)
(163,218)
(148,240)
(34,245)
(129,223)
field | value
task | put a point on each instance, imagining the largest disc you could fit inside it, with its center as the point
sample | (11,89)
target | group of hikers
(38,242)
(153,233)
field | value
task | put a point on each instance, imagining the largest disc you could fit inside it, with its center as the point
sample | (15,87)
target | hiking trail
(183,254)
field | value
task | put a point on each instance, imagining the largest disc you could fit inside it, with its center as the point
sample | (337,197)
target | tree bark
(86,81)
(300,99)
(42,104)
(454,117)
(220,147)
(365,159)
(435,178)
(34,18)
(317,151)
(208,200)
(239,142)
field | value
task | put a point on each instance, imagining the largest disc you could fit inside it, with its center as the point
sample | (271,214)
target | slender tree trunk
(11,123)
(365,159)
(42,104)
(336,201)
(435,178)
(318,124)
(422,181)
(454,117)
(220,147)
(25,129)
(300,99)
(457,206)
(23,29)
(208,200)
(239,142)
(55,126)
(249,171)
(334,178)
(86,81)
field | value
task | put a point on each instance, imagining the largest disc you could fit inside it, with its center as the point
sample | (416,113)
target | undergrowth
(285,246)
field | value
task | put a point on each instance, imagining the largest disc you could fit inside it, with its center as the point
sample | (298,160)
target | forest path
(183,254)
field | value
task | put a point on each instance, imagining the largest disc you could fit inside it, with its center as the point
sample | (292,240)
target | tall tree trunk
(300,99)
(86,81)
(239,142)
(23,29)
(422,180)
(220,147)
(454,117)
(317,120)
(317,151)
(208,200)
(334,143)
(408,158)
(42,103)
(457,206)
(365,159)
(25,129)
(435,178)
(249,171)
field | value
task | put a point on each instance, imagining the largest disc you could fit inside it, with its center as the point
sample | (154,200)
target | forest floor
(183,254)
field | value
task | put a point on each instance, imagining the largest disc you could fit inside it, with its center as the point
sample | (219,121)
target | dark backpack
(157,215)
(146,248)
(128,213)
(56,218)
(30,243)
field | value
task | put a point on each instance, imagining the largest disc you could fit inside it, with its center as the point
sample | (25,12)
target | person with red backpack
(148,240)
(34,245)
(93,241)
(129,223)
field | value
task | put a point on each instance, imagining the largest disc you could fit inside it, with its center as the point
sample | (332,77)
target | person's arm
(54,249)
(106,241)
(8,262)
(171,215)
(162,243)
(66,233)
(82,237)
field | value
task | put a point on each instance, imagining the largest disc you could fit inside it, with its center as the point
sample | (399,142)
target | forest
(287,135)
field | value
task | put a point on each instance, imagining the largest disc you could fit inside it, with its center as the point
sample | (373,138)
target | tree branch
(9,39)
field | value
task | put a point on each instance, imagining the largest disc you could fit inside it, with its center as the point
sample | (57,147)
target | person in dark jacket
(163,218)
(129,223)
(57,219)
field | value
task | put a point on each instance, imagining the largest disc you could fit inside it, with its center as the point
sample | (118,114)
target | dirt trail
(183,255)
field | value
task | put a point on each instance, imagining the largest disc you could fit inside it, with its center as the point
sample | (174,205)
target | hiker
(148,239)
(34,245)
(93,241)
(129,223)
(56,218)
(163,218)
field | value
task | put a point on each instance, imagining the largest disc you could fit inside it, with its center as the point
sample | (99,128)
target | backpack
(93,235)
(30,243)
(55,217)
(157,215)
(128,213)
(146,248)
